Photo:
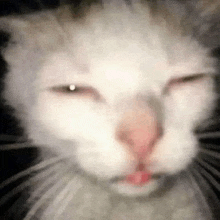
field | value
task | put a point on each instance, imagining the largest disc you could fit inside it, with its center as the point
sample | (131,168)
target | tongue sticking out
(138,178)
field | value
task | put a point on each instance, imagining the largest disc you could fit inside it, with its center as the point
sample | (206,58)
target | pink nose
(139,134)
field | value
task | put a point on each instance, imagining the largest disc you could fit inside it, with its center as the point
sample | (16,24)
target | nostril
(159,131)
(121,136)
(124,137)
(140,167)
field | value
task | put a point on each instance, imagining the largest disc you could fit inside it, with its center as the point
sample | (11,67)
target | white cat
(113,95)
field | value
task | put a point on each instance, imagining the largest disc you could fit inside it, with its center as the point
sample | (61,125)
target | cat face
(121,98)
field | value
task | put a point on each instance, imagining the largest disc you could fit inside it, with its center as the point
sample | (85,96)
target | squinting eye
(67,89)
(77,91)
(183,80)
(187,79)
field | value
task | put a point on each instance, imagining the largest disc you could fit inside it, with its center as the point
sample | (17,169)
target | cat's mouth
(140,177)
(137,179)
(137,184)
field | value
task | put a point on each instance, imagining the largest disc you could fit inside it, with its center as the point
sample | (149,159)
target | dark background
(14,161)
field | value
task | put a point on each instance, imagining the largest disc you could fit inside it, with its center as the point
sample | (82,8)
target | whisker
(67,200)
(212,161)
(214,134)
(24,185)
(52,175)
(210,146)
(12,138)
(49,181)
(197,176)
(209,177)
(58,172)
(17,208)
(212,122)
(16,146)
(206,185)
(46,196)
(208,188)
(207,166)
(198,192)
(210,153)
(64,196)
(26,172)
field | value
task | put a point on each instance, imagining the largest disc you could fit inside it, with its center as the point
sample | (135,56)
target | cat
(112,93)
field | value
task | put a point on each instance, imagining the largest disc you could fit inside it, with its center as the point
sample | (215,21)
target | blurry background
(14,161)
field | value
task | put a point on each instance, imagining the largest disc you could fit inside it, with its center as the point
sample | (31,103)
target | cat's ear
(208,8)
(37,31)
(201,17)
(205,16)
(14,27)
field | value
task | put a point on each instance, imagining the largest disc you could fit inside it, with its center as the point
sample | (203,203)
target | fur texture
(124,63)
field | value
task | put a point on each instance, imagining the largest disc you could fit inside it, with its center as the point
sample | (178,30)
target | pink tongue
(138,178)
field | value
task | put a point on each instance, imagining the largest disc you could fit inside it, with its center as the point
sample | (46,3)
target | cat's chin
(126,189)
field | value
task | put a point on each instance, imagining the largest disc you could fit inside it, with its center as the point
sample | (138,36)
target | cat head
(119,91)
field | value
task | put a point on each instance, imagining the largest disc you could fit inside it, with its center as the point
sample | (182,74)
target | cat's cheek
(193,103)
(104,160)
(174,152)
(66,118)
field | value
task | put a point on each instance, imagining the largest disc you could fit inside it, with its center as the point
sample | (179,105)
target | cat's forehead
(115,47)
(121,73)
(131,63)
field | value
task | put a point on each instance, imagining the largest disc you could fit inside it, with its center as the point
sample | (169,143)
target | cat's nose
(139,132)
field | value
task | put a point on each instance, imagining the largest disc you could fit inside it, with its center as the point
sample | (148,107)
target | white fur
(122,54)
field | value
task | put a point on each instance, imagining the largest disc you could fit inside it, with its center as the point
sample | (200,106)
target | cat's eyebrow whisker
(214,134)
(25,184)
(56,187)
(39,166)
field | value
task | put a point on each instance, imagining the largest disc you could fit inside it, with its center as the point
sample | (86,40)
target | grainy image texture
(109,110)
